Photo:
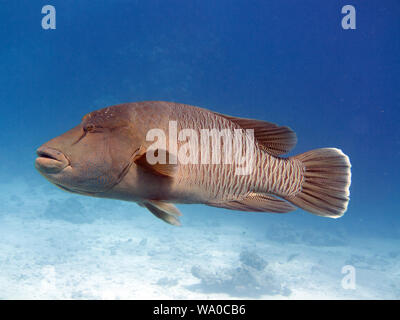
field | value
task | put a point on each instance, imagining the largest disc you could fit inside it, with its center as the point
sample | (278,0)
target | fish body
(107,155)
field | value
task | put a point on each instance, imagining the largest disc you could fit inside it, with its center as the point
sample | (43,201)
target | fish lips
(50,160)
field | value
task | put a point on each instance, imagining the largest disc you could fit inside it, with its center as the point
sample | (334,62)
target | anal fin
(257,202)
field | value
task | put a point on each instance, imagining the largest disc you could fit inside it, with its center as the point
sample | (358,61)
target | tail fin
(327,178)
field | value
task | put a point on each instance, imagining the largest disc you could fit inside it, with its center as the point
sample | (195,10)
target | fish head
(92,157)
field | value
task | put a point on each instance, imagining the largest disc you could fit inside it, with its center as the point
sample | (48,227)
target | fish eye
(89,128)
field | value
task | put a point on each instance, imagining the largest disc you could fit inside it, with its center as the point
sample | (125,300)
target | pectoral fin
(164,211)
(167,169)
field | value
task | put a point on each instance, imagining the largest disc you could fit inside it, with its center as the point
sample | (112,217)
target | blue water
(288,62)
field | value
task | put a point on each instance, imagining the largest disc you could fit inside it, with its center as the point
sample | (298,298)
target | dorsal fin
(167,169)
(272,138)
(256,202)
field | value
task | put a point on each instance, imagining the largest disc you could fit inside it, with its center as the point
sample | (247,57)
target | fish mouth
(50,160)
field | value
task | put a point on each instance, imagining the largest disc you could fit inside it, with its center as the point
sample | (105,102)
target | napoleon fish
(107,156)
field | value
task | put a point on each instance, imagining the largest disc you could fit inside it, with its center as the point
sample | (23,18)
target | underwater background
(287,62)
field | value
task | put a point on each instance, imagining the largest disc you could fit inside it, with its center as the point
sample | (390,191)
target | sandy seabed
(54,245)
